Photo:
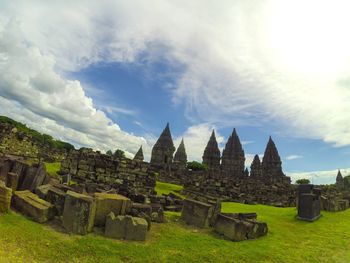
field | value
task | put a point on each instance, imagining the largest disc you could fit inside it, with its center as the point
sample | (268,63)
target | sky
(110,74)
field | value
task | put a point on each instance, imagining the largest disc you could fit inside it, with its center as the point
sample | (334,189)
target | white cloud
(243,62)
(293,157)
(319,177)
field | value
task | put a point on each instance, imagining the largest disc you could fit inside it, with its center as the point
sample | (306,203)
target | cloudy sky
(109,74)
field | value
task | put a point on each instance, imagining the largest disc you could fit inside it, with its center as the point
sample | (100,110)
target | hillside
(18,139)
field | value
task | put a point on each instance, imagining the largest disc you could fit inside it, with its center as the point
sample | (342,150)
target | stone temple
(226,175)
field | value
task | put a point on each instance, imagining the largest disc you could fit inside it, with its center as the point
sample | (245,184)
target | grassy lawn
(166,188)
(53,168)
(288,240)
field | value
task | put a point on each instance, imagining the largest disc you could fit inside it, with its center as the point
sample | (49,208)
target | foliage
(196,166)
(109,152)
(347,181)
(289,240)
(119,153)
(43,139)
(303,181)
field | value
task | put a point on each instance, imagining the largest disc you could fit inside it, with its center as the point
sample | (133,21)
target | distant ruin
(226,176)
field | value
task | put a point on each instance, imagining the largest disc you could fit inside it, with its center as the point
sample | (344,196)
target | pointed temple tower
(180,158)
(163,150)
(340,180)
(255,168)
(211,155)
(139,155)
(272,164)
(233,156)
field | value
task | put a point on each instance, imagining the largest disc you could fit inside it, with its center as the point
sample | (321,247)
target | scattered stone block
(309,203)
(79,213)
(106,203)
(5,198)
(12,180)
(56,197)
(31,205)
(197,213)
(35,176)
(126,227)
(238,230)
(42,190)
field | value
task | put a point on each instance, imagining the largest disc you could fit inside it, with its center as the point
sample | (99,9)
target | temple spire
(163,150)
(139,155)
(233,156)
(180,155)
(272,164)
(255,168)
(211,155)
(339,180)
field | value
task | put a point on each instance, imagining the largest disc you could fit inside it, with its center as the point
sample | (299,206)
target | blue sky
(111,75)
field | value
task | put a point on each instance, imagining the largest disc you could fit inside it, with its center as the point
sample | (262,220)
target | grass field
(288,240)
(53,168)
(166,188)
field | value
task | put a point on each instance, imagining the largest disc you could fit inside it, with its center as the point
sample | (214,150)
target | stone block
(42,190)
(12,180)
(197,213)
(31,205)
(35,176)
(56,197)
(238,230)
(78,213)
(126,227)
(309,207)
(5,198)
(106,203)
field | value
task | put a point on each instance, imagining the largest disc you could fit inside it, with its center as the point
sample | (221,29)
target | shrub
(303,181)
(196,166)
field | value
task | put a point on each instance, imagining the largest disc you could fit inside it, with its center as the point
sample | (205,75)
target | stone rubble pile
(236,227)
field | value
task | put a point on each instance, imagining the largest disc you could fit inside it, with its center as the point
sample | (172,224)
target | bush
(196,166)
(303,181)
(119,153)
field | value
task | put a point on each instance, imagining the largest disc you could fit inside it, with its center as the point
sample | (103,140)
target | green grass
(53,168)
(288,240)
(166,188)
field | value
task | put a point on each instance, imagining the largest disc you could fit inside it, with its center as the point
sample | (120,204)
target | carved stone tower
(271,164)
(233,156)
(163,150)
(180,158)
(139,155)
(255,168)
(211,155)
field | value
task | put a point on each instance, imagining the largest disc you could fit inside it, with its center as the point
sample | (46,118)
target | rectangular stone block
(31,205)
(5,198)
(309,207)
(56,197)
(12,180)
(106,203)
(78,213)
(197,213)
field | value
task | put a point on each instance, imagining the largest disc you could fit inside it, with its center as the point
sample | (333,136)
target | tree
(109,152)
(303,181)
(196,166)
(119,153)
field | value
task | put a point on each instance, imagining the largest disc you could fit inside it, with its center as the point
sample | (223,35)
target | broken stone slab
(56,197)
(35,176)
(238,230)
(106,203)
(126,227)
(12,180)
(31,205)
(197,213)
(78,213)
(42,190)
(5,198)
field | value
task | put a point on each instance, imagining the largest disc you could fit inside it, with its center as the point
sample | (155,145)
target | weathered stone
(139,155)
(237,230)
(197,213)
(309,203)
(107,203)
(56,197)
(79,213)
(163,150)
(5,197)
(339,181)
(126,227)
(12,181)
(42,190)
(31,205)
(35,176)
(211,155)
(233,156)
(180,157)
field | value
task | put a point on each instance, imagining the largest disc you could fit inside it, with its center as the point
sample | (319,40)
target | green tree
(303,181)
(109,152)
(196,166)
(119,153)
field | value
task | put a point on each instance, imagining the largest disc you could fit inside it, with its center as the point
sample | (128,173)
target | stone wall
(212,184)
(100,171)
(13,142)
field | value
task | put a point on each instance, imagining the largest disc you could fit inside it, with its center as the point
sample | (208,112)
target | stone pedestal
(197,213)
(79,213)
(56,197)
